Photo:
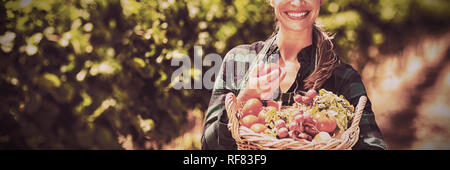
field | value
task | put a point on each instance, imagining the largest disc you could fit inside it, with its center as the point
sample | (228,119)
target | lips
(297,15)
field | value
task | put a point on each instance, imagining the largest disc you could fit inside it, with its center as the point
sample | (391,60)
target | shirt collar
(305,56)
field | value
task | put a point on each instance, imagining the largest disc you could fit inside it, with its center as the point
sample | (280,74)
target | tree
(81,73)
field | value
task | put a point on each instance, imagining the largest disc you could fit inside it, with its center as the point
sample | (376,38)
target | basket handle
(353,131)
(232,110)
(358,111)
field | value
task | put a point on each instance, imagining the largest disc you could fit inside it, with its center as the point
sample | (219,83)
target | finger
(271,76)
(275,81)
(269,90)
(269,68)
(274,84)
(256,71)
(265,81)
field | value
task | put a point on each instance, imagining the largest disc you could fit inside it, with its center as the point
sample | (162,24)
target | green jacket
(344,81)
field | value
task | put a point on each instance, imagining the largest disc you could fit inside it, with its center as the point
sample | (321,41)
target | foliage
(79,73)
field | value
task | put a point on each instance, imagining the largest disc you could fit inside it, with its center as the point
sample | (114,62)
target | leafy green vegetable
(336,106)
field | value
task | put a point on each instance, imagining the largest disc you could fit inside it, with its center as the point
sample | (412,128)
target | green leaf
(53,79)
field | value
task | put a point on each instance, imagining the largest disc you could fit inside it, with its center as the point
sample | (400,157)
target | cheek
(277,13)
(277,4)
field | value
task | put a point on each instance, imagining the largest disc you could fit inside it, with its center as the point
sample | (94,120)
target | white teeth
(297,14)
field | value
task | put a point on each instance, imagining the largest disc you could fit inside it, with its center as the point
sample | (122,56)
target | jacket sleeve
(370,137)
(216,135)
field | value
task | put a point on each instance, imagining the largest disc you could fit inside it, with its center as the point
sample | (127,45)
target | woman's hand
(262,83)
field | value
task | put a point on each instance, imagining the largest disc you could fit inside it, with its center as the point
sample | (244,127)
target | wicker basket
(246,139)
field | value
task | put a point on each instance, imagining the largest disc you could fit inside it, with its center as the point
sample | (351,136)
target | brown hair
(327,58)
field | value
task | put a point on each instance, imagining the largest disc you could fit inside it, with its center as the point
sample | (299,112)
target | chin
(296,26)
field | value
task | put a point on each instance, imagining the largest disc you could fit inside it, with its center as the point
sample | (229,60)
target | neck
(291,42)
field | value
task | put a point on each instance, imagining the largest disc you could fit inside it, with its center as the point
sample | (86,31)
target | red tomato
(298,98)
(311,93)
(249,120)
(280,123)
(283,132)
(271,103)
(308,117)
(293,126)
(299,118)
(306,99)
(297,112)
(258,127)
(325,124)
(252,107)
(262,117)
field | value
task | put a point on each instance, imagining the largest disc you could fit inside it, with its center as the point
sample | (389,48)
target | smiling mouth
(297,15)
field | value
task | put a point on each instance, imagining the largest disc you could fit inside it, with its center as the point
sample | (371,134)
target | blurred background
(88,74)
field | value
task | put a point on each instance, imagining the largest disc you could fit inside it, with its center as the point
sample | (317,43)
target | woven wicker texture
(246,139)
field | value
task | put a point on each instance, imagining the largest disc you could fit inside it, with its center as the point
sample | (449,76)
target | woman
(306,60)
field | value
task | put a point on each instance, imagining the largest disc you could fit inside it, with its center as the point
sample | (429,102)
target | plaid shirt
(344,81)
